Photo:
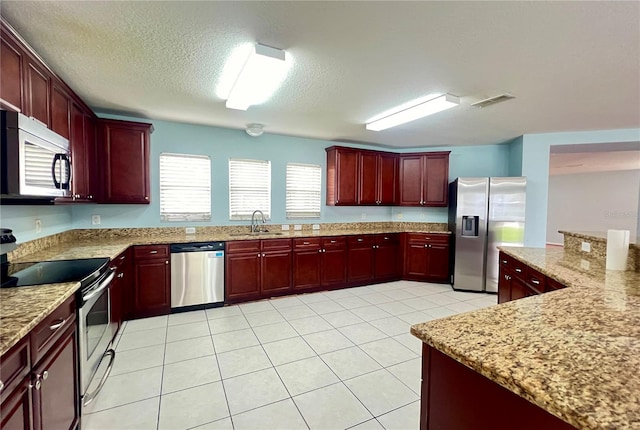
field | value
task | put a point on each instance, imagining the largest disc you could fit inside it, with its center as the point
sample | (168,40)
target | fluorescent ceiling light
(262,73)
(420,110)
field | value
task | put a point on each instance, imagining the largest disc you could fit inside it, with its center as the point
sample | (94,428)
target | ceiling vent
(493,100)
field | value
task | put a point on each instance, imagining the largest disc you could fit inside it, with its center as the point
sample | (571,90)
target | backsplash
(598,242)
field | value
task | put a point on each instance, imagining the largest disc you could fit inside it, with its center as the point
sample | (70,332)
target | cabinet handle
(45,375)
(319,250)
(333,241)
(122,258)
(518,270)
(535,282)
(336,201)
(146,197)
(120,275)
(427,238)
(264,255)
(305,243)
(38,384)
(90,197)
(504,261)
(57,325)
(153,252)
(360,240)
(386,238)
(1,385)
(166,262)
(258,255)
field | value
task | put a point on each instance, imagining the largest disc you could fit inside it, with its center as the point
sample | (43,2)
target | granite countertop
(23,308)
(574,352)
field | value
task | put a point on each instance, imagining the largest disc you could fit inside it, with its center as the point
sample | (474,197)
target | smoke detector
(255,130)
(493,100)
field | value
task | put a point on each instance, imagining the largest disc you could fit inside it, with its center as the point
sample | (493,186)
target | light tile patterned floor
(330,360)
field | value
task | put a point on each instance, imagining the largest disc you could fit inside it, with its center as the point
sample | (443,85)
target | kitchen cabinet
(121,291)
(319,263)
(516,280)
(39,375)
(257,268)
(457,397)
(38,87)
(152,281)
(123,161)
(387,257)
(60,110)
(427,257)
(378,178)
(12,68)
(83,154)
(360,267)
(342,176)
(424,179)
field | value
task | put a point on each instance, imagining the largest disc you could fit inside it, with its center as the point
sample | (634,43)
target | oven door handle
(101,287)
(88,398)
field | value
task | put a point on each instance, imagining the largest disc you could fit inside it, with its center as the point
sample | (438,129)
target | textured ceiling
(572,65)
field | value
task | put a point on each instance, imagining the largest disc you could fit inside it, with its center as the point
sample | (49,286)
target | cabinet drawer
(428,238)
(308,243)
(275,244)
(519,269)
(120,260)
(338,242)
(45,334)
(242,246)
(15,366)
(552,285)
(150,251)
(536,280)
(391,238)
(506,262)
(360,241)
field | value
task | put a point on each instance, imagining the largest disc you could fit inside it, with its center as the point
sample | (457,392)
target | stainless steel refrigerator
(484,213)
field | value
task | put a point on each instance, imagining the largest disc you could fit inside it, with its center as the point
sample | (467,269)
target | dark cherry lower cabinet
(456,397)
(124,161)
(257,268)
(120,290)
(516,280)
(319,263)
(152,281)
(39,376)
(373,258)
(427,257)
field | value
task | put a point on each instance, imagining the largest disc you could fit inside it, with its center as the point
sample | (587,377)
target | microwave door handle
(67,160)
(56,157)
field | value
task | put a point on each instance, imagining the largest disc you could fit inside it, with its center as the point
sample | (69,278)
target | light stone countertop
(23,308)
(574,352)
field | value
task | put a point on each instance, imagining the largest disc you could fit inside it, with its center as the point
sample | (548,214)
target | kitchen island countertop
(574,352)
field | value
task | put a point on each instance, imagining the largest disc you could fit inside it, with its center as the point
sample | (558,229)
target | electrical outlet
(190,230)
(95,219)
(316,226)
(285,227)
(38,226)
(363,216)
(399,216)
(297,227)
(584,264)
(586,246)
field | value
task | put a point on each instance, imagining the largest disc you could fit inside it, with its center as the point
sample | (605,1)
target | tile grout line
(226,399)
(164,355)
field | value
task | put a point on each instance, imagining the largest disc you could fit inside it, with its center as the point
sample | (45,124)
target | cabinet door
(124,161)
(242,272)
(388,179)
(79,155)
(334,267)
(519,290)
(56,394)
(117,291)
(276,272)
(368,178)
(152,288)
(411,180)
(15,411)
(60,110)
(307,269)
(436,180)
(12,67)
(386,262)
(38,85)
(342,177)
(416,261)
(504,287)
(360,260)
(438,270)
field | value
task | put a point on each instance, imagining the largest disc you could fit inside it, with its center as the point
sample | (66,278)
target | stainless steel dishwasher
(197,275)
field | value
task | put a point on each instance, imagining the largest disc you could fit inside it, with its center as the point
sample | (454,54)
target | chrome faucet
(254,224)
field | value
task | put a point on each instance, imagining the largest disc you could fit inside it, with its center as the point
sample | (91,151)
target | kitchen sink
(258,233)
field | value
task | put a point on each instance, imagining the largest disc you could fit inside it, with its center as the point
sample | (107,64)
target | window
(185,187)
(303,190)
(249,188)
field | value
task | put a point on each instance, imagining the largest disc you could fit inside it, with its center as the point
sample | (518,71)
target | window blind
(249,188)
(185,187)
(303,190)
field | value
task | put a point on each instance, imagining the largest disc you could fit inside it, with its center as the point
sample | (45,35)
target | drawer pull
(153,252)
(504,261)
(360,240)
(518,270)
(45,375)
(305,243)
(1,385)
(122,258)
(333,241)
(386,238)
(120,275)
(57,325)
(535,282)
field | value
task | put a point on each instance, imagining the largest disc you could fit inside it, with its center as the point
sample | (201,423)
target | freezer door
(197,278)
(471,233)
(506,221)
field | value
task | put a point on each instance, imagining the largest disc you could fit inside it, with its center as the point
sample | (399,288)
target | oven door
(95,335)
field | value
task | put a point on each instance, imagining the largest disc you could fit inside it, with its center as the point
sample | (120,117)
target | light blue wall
(22,220)
(515,156)
(535,166)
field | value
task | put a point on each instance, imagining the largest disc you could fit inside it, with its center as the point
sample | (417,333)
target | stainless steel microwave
(35,161)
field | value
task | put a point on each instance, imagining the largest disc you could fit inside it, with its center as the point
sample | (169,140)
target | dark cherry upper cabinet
(12,66)
(378,173)
(60,110)
(123,159)
(152,281)
(342,176)
(83,155)
(424,179)
(38,87)
(55,403)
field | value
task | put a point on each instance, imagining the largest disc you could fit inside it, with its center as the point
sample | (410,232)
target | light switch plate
(586,246)
(297,227)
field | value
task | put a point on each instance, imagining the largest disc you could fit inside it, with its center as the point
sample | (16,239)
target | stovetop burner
(53,272)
